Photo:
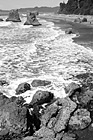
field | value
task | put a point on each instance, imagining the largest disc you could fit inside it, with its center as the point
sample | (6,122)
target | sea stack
(31,19)
(14,16)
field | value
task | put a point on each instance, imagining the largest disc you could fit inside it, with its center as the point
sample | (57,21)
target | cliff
(83,7)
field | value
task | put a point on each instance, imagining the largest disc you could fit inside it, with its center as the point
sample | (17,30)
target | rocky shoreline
(47,117)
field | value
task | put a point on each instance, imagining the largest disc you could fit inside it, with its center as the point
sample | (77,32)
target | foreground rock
(3,99)
(80,120)
(13,16)
(47,119)
(37,83)
(13,118)
(3,83)
(69,136)
(41,97)
(64,113)
(23,87)
(45,132)
(72,88)
(85,97)
(32,20)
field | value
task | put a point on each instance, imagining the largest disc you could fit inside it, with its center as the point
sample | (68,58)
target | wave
(44,52)
(3,24)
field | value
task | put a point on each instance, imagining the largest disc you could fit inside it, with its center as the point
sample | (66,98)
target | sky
(12,4)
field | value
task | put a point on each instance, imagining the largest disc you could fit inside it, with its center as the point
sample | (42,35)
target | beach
(85,29)
(47,72)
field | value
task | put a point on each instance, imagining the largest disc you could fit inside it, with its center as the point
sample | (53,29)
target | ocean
(43,52)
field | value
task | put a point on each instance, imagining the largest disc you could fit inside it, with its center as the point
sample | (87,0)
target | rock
(84,20)
(80,120)
(13,117)
(90,108)
(41,97)
(64,113)
(47,138)
(48,113)
(31,138)
(86,80)
(1,19)
(69,136)
(59,136)
(36,83)
(3,82)
(3,99)
(85,97)
(4,134)
(13,16)
(69,31)
(32,20)
(77,20)
(72,88)
(51,123)
(23,87)
(37,138)
(45,132)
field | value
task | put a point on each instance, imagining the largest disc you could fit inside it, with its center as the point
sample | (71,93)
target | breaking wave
(43,52)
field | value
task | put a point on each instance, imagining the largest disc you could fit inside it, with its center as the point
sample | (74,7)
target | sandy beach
(83,29)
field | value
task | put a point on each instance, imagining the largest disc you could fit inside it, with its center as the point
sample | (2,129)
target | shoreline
(85,29)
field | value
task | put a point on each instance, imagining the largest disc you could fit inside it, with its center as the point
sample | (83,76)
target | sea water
(43,52)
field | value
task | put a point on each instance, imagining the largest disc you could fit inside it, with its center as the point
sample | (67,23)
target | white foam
(3,24)
(63,60)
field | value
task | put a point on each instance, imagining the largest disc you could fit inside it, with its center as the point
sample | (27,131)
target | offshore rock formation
(84,7)
(32,20)
(13,16)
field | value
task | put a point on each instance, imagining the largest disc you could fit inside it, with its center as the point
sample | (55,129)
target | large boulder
(84,20)
(41,97)
(64,114)
(85,97)
(23,87)
(13,117)
(72,88)
(37,82)
(32,20)
(80,120)
(13,16)
(47,116)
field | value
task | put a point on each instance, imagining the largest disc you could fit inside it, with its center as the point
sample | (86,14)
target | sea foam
(43,52)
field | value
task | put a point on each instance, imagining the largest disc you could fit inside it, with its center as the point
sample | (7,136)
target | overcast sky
(11,4)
